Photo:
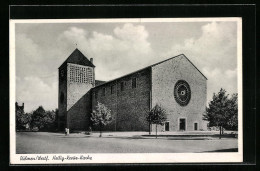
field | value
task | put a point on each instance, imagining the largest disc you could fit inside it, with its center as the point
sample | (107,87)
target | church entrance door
(167,126)
(182,124)
(195,126)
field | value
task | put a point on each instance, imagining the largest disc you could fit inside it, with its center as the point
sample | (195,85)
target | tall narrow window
(112,89)
(133,82)
(122,86)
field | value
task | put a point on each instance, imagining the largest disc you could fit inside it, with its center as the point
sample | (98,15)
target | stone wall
(79,113)
(78,104)
(128,107)
(164,77)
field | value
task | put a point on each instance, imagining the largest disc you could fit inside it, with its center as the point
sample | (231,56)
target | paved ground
(119,142)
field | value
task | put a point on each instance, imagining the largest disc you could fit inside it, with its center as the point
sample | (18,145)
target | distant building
(19,108)
(176,84)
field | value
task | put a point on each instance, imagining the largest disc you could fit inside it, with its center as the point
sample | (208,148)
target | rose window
(182,93)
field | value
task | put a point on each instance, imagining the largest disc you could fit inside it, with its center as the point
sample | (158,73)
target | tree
(232,122)
(22,120)
(43,120)
(49,121)
(222,111)
(101,116)
(157,115)
(37,118)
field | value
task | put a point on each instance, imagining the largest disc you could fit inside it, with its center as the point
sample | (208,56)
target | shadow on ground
(141,137)
(224,150)
(74,137)
(163,138)
(212,135)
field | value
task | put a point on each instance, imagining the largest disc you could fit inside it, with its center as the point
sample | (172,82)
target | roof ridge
(153,66)
(77,57)
(139,70)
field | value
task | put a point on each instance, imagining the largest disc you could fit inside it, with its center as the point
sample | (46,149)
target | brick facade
(78,103)
(76,78)
(128,106)
(164,77)
(131,97)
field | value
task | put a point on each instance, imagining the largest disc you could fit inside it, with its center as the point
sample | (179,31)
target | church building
(175,84)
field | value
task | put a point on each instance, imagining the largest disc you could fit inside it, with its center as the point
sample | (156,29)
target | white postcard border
(125,157)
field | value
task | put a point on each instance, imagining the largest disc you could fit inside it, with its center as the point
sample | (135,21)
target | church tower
(76,78)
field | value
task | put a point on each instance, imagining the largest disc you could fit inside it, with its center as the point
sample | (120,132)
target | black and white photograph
(136,90)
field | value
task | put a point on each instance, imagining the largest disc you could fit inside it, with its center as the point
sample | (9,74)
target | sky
(119,48)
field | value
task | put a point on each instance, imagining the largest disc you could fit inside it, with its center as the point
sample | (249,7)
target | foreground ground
(120,142)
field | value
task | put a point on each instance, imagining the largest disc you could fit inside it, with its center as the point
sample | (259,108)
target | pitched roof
(77,57)
(186,58)
(150,67)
